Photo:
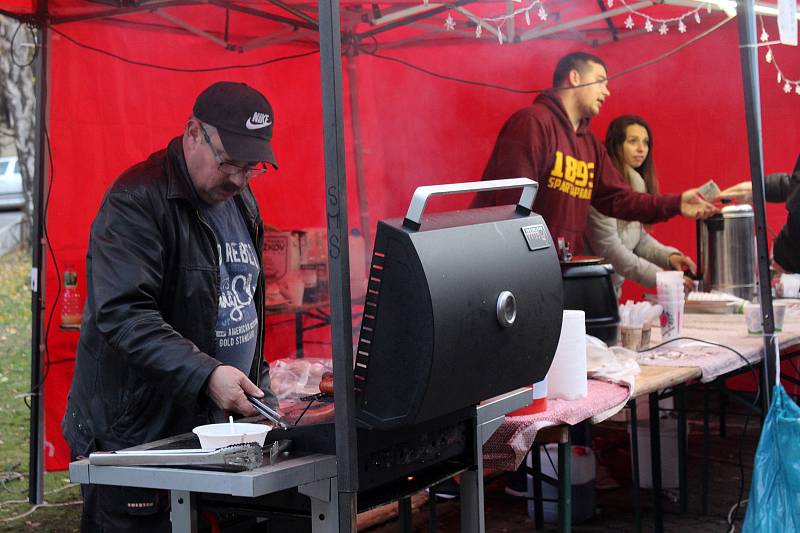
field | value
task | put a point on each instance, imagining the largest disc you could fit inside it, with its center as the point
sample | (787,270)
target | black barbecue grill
(461,306)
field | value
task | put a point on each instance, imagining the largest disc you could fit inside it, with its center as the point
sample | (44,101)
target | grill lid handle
(421,195)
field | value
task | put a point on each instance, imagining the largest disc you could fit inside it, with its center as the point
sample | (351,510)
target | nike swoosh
(251,126)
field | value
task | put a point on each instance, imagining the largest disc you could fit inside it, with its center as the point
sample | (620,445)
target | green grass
(15,367)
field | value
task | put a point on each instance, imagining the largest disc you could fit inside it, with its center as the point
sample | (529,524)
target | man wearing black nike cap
(173,330)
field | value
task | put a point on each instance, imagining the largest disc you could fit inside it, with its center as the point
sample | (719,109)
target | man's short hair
(574,61)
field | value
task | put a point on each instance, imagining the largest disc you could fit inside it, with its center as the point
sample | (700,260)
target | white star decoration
(663,28)
(449,23)
(478,31)
(648,25)
(610,3)
(681,26)
(542,13)
(629,22)
(697,17)
(787,85)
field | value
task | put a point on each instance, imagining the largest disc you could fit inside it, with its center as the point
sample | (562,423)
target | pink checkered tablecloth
(506,449)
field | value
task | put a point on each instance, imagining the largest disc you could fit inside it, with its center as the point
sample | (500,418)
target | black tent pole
(36,441)
(330,41)
(752,104)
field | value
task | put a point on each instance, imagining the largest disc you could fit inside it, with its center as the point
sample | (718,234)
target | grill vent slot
(368,323)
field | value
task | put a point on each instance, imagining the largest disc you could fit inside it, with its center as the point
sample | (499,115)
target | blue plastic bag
(774,505)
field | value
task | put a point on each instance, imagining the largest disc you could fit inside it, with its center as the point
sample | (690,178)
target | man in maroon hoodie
(550,142)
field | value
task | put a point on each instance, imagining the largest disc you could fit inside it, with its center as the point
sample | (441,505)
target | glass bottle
(71,301)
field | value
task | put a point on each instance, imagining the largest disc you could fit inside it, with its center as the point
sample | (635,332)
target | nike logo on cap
(258,121)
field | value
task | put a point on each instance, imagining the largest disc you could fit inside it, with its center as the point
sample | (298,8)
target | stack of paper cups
(669,285)
(791,285)
(567,376)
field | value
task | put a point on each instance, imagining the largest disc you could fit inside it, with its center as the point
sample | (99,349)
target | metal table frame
(313,475)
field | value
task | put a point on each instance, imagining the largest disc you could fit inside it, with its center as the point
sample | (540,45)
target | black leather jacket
(147,342)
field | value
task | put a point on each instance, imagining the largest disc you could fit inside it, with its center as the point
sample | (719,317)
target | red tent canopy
(121,86)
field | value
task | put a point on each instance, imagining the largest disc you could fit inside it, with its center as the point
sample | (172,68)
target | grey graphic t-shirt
(237,322)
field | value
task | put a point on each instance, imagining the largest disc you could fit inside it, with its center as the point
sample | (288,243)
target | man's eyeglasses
(230,169)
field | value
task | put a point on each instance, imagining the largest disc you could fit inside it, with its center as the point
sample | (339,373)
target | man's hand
(741,193)
(693,205)
(227,387)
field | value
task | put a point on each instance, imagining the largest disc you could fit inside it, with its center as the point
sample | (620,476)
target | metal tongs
(268,412)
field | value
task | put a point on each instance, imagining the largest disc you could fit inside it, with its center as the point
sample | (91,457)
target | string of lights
(789,84)
(496,23)
(663,23)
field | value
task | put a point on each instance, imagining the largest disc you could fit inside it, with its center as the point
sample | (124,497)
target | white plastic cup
(631,337)
(791,285)
(669,284)
(671,318)
(780,313)
(752,316)
(669,276)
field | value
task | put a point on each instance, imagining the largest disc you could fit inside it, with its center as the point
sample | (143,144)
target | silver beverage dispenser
(727,252)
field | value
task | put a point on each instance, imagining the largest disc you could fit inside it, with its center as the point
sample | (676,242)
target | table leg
(432,508)
(298,334)
(404,514)
(471,492)
(655,461)
(324,498)
(183,513)
(704,495)
(536,478)
(637,501)
(723,409)
(564,487)
(680,392)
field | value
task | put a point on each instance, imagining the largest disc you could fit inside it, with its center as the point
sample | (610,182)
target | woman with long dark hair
(631,250)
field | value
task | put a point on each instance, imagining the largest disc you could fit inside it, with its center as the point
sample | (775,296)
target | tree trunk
(18,93)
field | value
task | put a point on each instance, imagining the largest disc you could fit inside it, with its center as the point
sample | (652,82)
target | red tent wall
(106,115)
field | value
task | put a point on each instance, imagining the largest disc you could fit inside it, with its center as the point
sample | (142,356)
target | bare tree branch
(19,96)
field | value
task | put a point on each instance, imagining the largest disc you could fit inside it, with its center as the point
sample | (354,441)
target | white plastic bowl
(218,435)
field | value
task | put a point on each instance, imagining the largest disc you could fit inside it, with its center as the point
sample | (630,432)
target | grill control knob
(506,309)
